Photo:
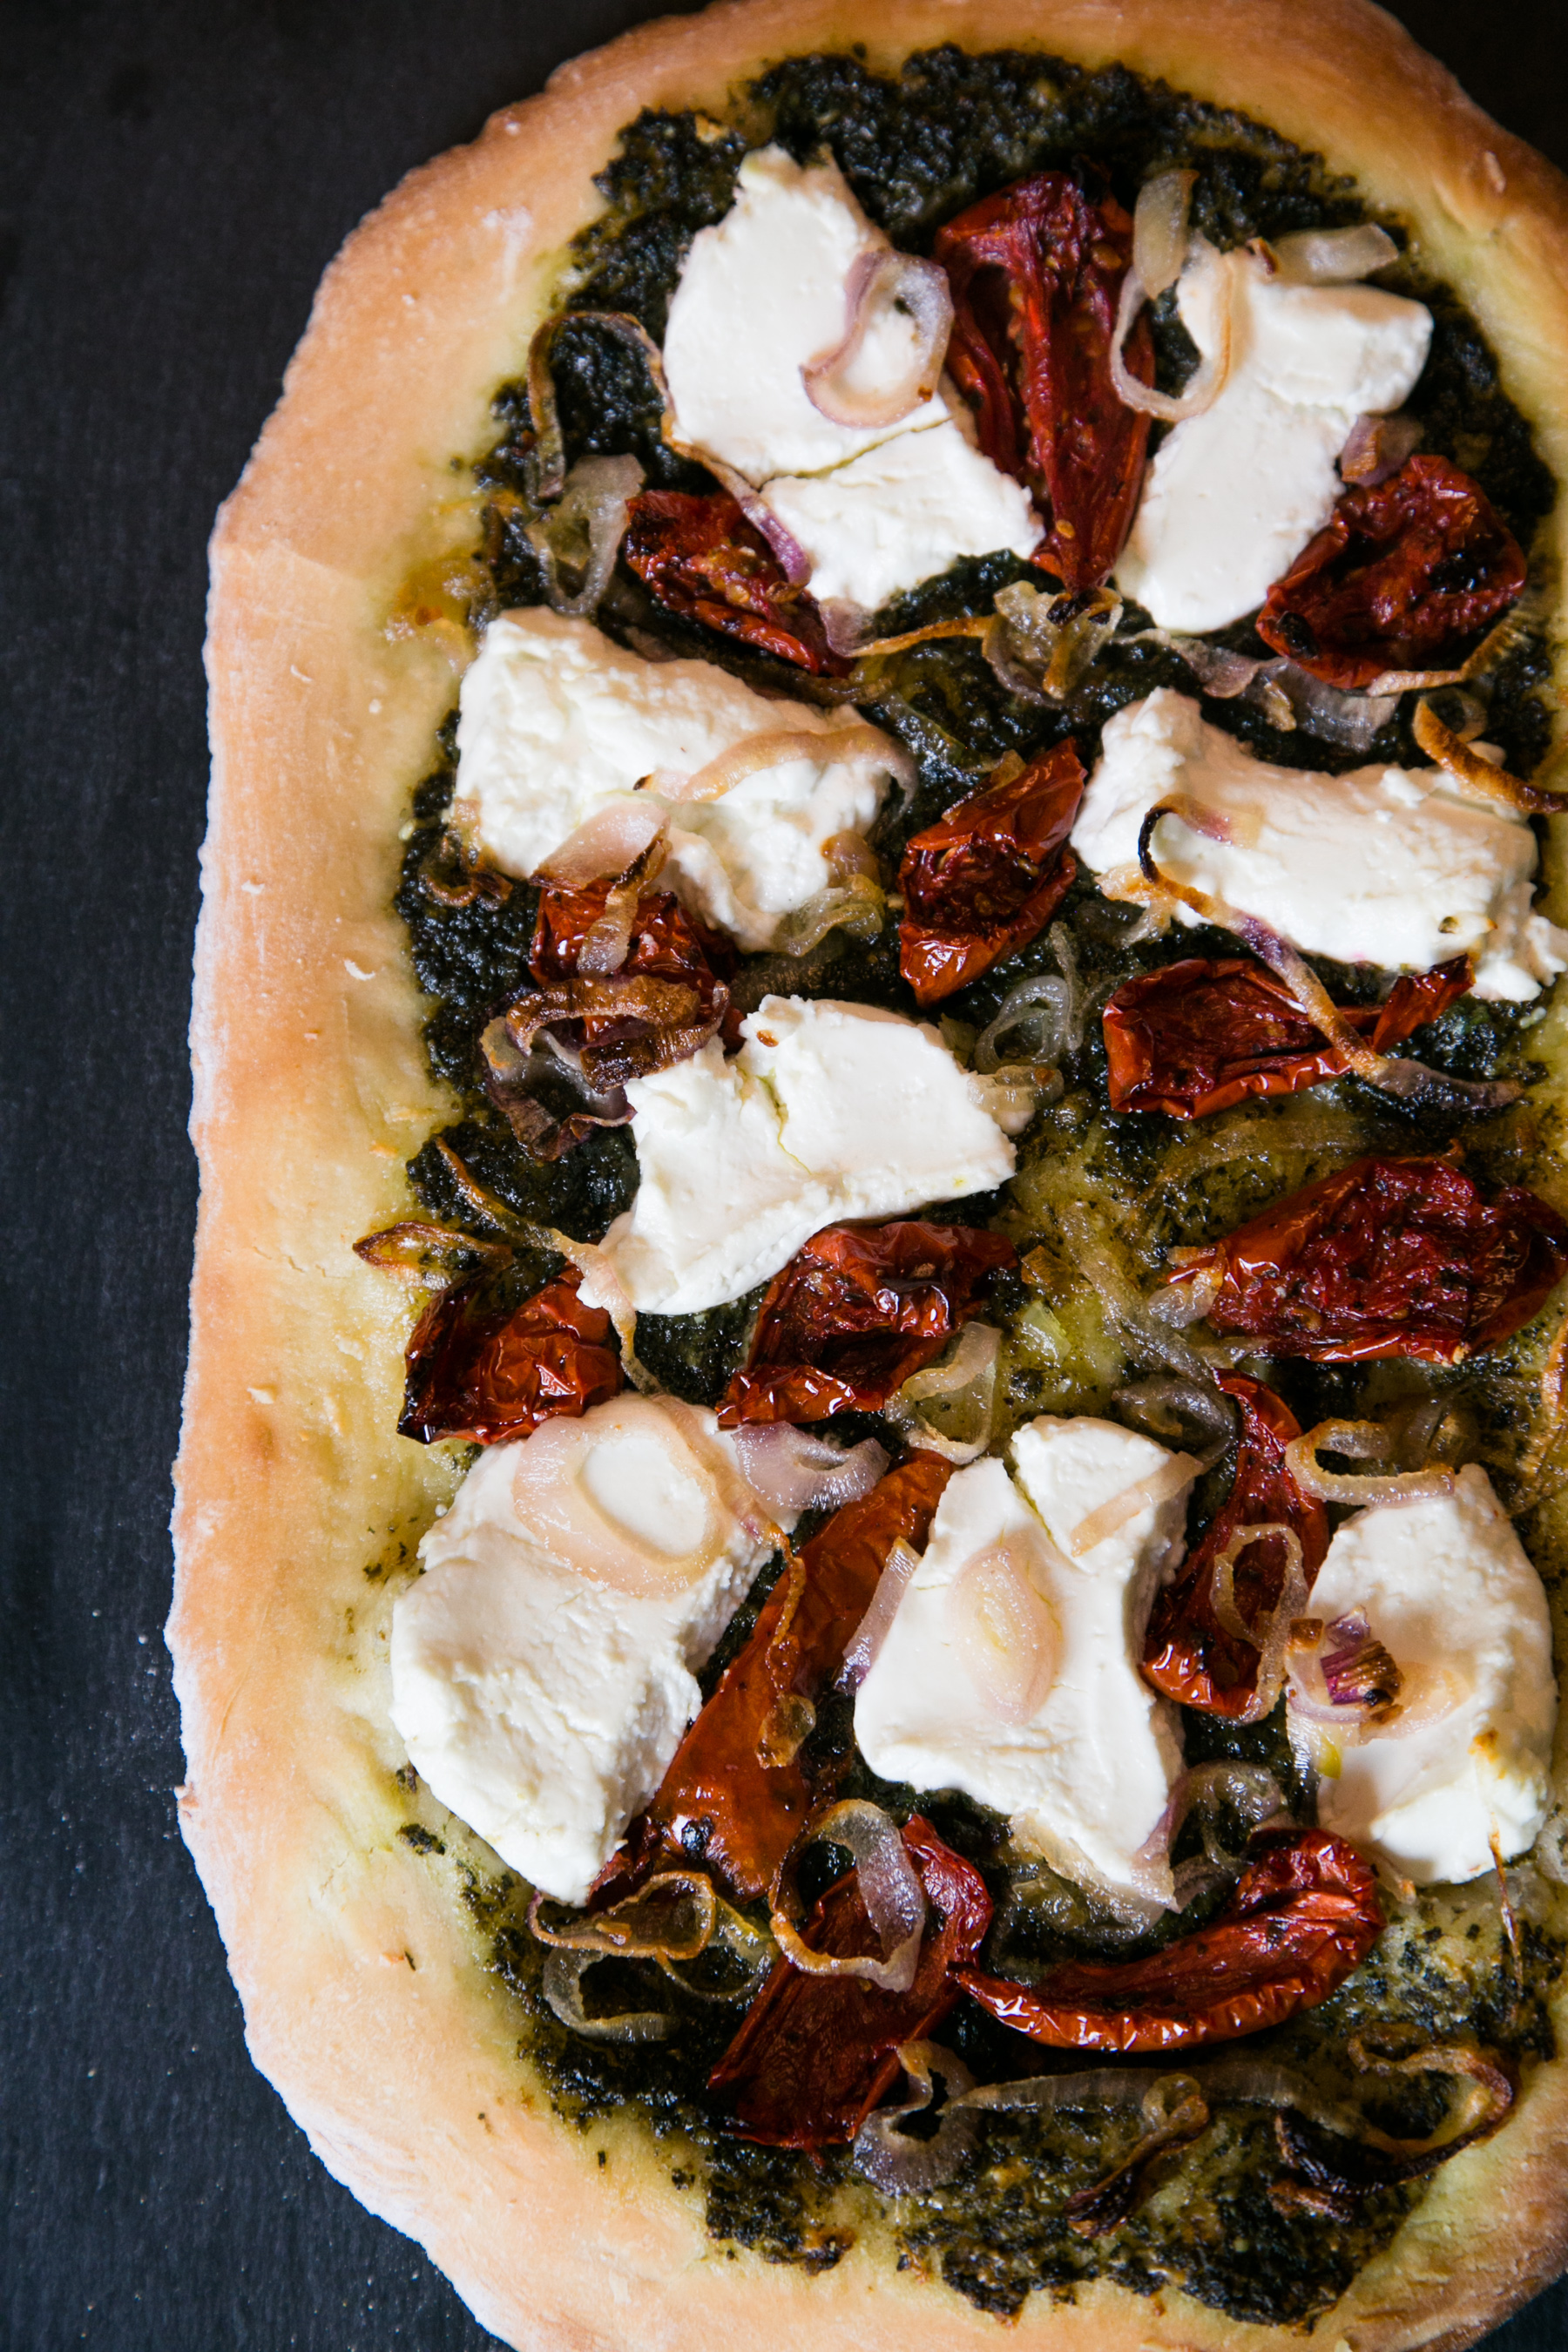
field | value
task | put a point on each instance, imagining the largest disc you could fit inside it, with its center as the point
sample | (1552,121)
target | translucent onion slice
(1167,1407)
(611,841)
(1003,1628)
(607,942)
(672,1918)
(1453,755)
(1364,1441)
(902,2167)
(756,753)
(1160,229)
(1174,1474)
(1210,380)
(796,1472)
(1272,1635)
(894,1899)
(1332,257)
(877,282)
(975,1356)
(1378,446)
(585,528)
(860,1652)
(561,1982)
(435,1256)
(1041,1008)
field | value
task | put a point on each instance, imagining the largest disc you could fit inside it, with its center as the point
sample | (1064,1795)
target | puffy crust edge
(366,2000)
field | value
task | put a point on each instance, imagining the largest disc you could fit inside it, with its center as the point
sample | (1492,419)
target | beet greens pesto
(1099,1202)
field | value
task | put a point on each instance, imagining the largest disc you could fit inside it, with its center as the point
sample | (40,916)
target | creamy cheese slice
(765,292)
(901,513)
(1233,495)
(542,1666)
(828,1111)
(1394,867)
(556,721)
(1447,1588)
(1010,1669)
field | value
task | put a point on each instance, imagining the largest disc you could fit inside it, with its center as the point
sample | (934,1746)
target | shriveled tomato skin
(719,1802)
(487,1375)
(1035,272)
(1196,1037)
(1389,1258)
(855,1313)
(701,558)
(815,2054)
(1303,1917)
(1187,1655)
(988,877)
(1407,575)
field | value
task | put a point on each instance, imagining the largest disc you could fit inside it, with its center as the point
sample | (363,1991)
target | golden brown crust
(367,2002)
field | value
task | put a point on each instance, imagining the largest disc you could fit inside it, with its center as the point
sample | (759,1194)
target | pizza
(873,1484)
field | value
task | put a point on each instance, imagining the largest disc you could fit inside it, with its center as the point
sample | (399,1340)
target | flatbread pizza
(873,1487)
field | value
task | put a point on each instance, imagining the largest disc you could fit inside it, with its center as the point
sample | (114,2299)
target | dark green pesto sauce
(916,149)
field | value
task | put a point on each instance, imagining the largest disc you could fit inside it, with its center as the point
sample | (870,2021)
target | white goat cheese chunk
(1235,494)
(1010,1669)
(901,513)
(556,721)
(765,292)
(1446,1587)
(1396,866)
(828,1111)
(542,1667)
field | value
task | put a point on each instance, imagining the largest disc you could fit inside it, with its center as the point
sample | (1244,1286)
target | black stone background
(174,178)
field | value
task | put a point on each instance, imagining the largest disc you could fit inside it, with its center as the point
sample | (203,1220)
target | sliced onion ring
(860,1652)
(632,1929)
(1161,1403)
(1175,1472)
(561,1982)
(611,841)
(889,2159)
(1271,1636)
(894,1898)
(1205,385)
(1362,1441)
(796,1472)
(1452,754)
(1160,229)
(1392,1074)
(593,500)
(1332,257)
(756,753)
(879,278)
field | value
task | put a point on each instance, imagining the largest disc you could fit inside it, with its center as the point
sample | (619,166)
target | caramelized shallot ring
(1452,754)
(890,1888)
(922,288)
(1204,387)
(1366,1441)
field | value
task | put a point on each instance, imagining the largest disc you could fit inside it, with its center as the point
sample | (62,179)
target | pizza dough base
(366,2000)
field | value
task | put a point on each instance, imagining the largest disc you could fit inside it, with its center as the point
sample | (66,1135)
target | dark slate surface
(173,176)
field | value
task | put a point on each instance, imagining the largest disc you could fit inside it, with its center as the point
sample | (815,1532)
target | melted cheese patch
(828,1111)
(1233,496)
(542,1667)
(1010,1669)
(1394,867)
